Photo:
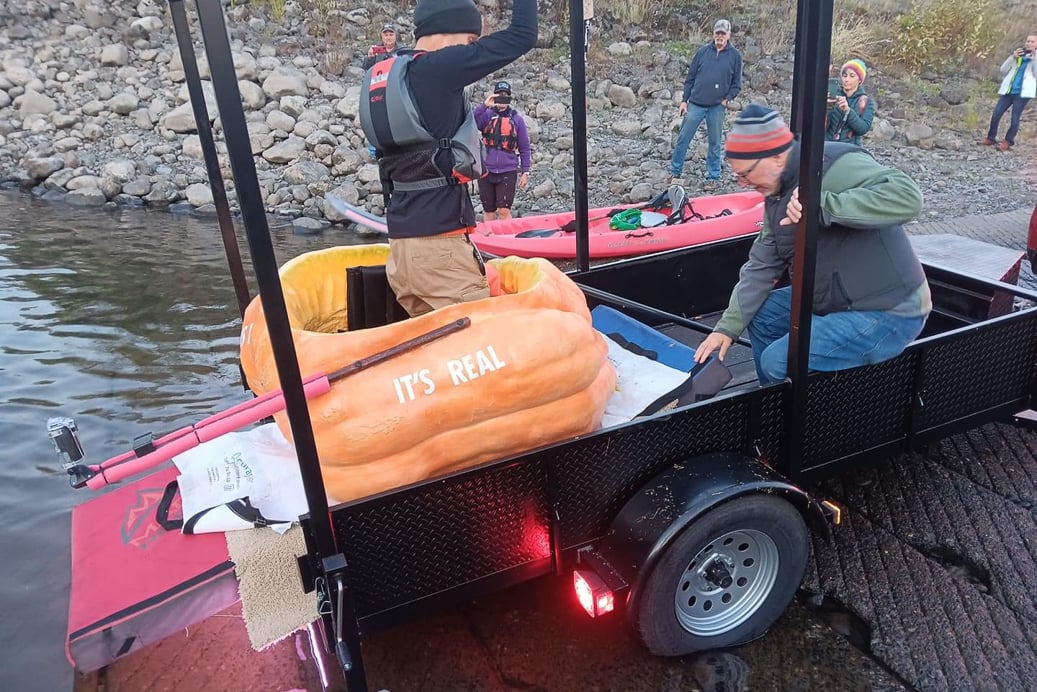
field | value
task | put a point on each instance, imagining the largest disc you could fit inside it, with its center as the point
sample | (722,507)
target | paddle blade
(539,233)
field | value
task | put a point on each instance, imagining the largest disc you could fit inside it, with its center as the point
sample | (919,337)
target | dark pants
(1017,103)
(497,190)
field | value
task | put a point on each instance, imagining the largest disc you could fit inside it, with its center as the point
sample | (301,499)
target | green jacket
(854,123)
(864,258)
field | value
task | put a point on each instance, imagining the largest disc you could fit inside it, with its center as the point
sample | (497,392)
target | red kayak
(705,219)
(658,227)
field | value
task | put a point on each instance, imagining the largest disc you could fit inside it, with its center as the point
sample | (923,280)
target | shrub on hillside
(934,34)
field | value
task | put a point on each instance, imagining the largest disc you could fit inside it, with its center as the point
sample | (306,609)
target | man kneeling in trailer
(871,298)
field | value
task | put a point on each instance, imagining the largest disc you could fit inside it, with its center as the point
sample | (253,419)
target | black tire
(761,543)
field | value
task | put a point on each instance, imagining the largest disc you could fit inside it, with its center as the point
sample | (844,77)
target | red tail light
(592,593)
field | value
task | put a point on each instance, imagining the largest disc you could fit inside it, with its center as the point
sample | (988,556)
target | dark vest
(391,122)
(857,268)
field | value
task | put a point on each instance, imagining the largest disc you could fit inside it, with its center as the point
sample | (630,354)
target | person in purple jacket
(505,150)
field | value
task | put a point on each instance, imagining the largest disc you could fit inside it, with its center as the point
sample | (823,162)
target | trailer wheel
(726,578)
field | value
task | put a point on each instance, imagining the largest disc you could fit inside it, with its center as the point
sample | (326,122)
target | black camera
(502,99)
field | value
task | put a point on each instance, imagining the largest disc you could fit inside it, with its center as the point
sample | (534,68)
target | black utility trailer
(694,520)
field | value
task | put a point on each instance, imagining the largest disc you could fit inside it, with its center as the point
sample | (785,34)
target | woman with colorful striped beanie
(850,112)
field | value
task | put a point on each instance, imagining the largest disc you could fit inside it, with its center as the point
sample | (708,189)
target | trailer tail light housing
(592,593)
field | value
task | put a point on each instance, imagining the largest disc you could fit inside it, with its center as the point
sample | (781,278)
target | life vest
(500,133)
(391,123)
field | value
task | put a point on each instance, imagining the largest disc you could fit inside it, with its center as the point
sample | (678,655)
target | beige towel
(272,599)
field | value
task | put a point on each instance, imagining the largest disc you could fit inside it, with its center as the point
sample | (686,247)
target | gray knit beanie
(446,17)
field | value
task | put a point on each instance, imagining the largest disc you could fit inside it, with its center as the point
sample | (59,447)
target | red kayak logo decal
(139,527)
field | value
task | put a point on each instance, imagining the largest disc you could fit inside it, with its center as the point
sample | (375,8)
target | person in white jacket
(1018,86)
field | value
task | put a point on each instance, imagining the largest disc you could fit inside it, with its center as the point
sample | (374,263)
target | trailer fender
(651,520)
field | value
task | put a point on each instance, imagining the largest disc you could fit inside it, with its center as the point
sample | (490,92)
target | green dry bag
(626,220)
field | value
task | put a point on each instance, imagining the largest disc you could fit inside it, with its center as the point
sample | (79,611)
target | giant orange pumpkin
(530,370)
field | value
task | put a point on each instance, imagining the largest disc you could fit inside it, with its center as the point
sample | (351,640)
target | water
(126,321)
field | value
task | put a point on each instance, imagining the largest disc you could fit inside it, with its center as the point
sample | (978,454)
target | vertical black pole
(800,68)
(578,62)
(811,104)
(212,163)
(330,561)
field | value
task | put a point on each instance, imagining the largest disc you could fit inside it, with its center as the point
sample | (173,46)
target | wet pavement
(927,585)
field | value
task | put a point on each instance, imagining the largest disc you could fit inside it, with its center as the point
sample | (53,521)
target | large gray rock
(40,168)
(123,103)
(137,188)
(286,151)
(285,81)
(550,110)
(622,96)
(180,119)
(919,135)
(122,170)
(115,55)
(252,96)
(198,194)
(33,103)
(87,197)
(346,192)
(305,172)
(349,105)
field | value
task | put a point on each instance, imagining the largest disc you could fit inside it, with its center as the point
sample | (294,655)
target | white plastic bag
(241,480)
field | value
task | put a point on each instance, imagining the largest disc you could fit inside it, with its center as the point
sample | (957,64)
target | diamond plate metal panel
(594,479)
(855,410)
(966,373)
(419,542)
(770,429)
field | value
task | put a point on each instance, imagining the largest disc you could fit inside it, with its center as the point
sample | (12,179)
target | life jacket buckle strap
(430,184)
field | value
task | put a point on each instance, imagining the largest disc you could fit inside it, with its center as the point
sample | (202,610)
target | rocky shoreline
(94,111)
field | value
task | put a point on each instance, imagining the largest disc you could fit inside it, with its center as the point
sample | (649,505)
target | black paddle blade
(540,233)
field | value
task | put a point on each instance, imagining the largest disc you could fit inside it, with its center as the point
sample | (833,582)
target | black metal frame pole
(212,163)
(578,64)
(330,562)
(811,95)
(799,68)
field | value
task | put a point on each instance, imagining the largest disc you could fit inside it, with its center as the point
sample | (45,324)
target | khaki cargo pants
(435,271)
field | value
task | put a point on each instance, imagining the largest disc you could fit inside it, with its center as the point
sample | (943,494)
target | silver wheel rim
(703,605)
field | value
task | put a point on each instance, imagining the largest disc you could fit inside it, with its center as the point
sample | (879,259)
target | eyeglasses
(744,175)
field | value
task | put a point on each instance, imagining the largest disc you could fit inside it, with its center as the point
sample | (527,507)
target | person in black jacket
(386,49)
(714,78)
(432,262)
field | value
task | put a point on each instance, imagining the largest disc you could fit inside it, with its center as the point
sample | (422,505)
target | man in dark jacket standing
(432,262)
(384,50)
(714,78)
(871,298)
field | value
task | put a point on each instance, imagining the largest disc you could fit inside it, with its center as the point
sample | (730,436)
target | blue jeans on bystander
(838,340)
(1017,103)
(714,117)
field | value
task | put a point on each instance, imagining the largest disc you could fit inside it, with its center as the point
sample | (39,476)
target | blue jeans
(714,117)
(838,340)
(1017,103)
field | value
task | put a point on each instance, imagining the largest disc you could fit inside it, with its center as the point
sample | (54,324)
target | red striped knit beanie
(757,133)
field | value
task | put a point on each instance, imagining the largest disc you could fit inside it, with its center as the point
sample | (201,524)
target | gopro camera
(65,436)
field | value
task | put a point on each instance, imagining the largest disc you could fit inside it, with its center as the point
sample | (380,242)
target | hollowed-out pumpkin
(530,370)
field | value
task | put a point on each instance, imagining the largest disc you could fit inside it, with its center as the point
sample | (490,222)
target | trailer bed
(444,541)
